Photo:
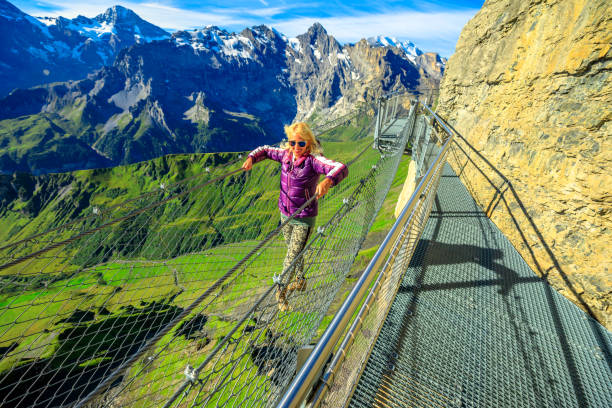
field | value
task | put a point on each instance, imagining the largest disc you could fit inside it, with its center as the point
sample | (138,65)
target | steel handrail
(300,386)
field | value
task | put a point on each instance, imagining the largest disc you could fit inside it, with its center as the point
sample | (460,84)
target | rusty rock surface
(529,89)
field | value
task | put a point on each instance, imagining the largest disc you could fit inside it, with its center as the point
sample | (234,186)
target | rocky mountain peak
(315,33)
(525,89)
(125,22)
(315,43)
(9,12)
(262,33)
(316,29)
(118,14)
(408,48)
(49,49)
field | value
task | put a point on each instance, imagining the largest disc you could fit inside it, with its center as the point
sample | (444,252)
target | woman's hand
(248,164)
(323,187)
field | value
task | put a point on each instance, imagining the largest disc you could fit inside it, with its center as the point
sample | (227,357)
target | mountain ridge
(44,50)
(203,90)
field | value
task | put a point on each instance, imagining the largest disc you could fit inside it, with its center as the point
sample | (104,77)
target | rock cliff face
(530,90)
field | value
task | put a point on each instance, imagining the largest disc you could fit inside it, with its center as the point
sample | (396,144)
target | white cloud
(156,13)
(431,31)
(267,12)
(176,18)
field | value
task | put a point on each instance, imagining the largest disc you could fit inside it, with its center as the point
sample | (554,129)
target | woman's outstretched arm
(334,173)
(267,152)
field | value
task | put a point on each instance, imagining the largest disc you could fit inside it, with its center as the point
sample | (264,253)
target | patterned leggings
(296,237)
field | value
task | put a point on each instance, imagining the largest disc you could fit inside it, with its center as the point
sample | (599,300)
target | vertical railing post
(423,153)
(378,124)
(395,106)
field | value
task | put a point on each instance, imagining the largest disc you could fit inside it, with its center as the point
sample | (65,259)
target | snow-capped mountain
(411,50)
(430,63)
(199,90)
(112,30)
(35,51)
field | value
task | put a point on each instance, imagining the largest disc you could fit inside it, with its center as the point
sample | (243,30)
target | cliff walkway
(167,299)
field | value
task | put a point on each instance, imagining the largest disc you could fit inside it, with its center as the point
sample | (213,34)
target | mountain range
(42,50)
(114,89)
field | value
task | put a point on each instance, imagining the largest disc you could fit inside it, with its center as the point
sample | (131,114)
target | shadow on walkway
(505,194)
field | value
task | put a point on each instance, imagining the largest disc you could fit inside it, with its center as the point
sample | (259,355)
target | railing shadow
(504,194)
(430,252)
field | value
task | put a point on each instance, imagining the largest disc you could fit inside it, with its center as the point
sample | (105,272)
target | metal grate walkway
(473,326)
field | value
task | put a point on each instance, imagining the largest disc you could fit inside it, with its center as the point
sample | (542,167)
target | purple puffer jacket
(299,177)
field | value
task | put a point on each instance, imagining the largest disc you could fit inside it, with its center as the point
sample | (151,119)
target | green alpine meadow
(150,237)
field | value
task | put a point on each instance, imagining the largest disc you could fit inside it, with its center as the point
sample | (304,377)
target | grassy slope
(115,290)
(44,142)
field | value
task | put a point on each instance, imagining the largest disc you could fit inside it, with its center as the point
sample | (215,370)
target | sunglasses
(300,143)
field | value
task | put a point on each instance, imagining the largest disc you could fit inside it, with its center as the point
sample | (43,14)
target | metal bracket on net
(190,374)
(277,279)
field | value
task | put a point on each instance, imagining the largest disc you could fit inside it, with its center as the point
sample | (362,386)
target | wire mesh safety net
(456,317)
(344,371)
(167,298)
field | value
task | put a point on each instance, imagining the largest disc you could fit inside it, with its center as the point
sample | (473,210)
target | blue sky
(432,26)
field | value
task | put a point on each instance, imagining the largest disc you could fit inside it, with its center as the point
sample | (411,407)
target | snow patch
(234,47)
(343,57)
(410,50)
(95,31)
(294,43)
(218,41)
(48,21)
(246,41)
(39,25)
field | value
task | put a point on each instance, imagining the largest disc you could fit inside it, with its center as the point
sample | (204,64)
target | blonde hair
(302,129)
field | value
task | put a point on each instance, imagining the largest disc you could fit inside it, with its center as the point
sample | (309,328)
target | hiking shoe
(297,284)
(281,298)
(283,306)
(281,294)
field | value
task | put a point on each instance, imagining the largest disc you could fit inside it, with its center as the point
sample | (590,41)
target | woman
(301,166)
